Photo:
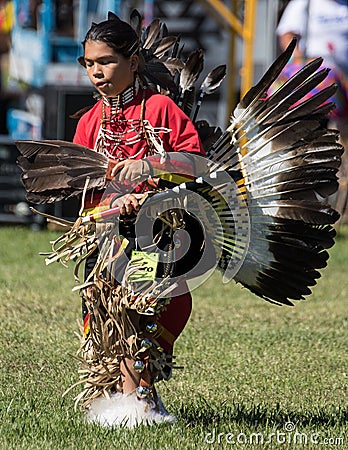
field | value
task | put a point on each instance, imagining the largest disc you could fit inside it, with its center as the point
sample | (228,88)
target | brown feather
(172,64)
(164,46)
(192,69)
(136,21)
(53,170)
(151,34)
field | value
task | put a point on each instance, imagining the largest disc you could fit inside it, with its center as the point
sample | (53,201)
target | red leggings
(174,319)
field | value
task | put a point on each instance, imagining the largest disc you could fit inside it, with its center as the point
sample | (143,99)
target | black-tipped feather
(272,73)
(213,80)
(293,97)
(296,80)
(151,34)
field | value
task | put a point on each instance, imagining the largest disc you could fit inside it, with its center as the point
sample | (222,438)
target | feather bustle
(289,163)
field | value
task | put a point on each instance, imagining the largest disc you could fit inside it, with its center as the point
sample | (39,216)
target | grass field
(255,375)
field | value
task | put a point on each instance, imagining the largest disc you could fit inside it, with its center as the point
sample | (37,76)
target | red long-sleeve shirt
(160,112)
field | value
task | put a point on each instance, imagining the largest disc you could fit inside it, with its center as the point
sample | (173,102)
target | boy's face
(110,72)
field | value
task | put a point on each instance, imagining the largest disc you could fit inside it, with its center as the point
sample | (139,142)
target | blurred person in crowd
(321,27)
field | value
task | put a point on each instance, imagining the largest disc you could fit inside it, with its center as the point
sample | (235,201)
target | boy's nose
(97,72)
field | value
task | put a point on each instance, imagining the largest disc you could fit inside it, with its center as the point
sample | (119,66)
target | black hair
(116,33)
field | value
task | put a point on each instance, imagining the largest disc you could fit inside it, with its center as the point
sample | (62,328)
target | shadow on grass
(204,414)
(341,232)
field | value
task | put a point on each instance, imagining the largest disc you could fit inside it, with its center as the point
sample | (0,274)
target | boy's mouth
(101,84)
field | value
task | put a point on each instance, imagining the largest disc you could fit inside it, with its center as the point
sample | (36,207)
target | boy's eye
(102,63)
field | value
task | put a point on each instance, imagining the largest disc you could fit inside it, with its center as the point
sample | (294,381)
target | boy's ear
(81,60)
(134,62)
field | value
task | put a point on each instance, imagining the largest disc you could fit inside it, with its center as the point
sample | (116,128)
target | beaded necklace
(116,133)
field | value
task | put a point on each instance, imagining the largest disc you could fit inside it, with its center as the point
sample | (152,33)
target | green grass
(249,367)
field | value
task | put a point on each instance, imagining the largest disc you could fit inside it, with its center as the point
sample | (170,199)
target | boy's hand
(128,203)
(131,171)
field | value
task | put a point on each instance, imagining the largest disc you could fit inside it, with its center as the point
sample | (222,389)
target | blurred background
(42,84)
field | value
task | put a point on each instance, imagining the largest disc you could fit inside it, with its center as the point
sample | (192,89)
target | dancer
(129,123)
(261,197)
